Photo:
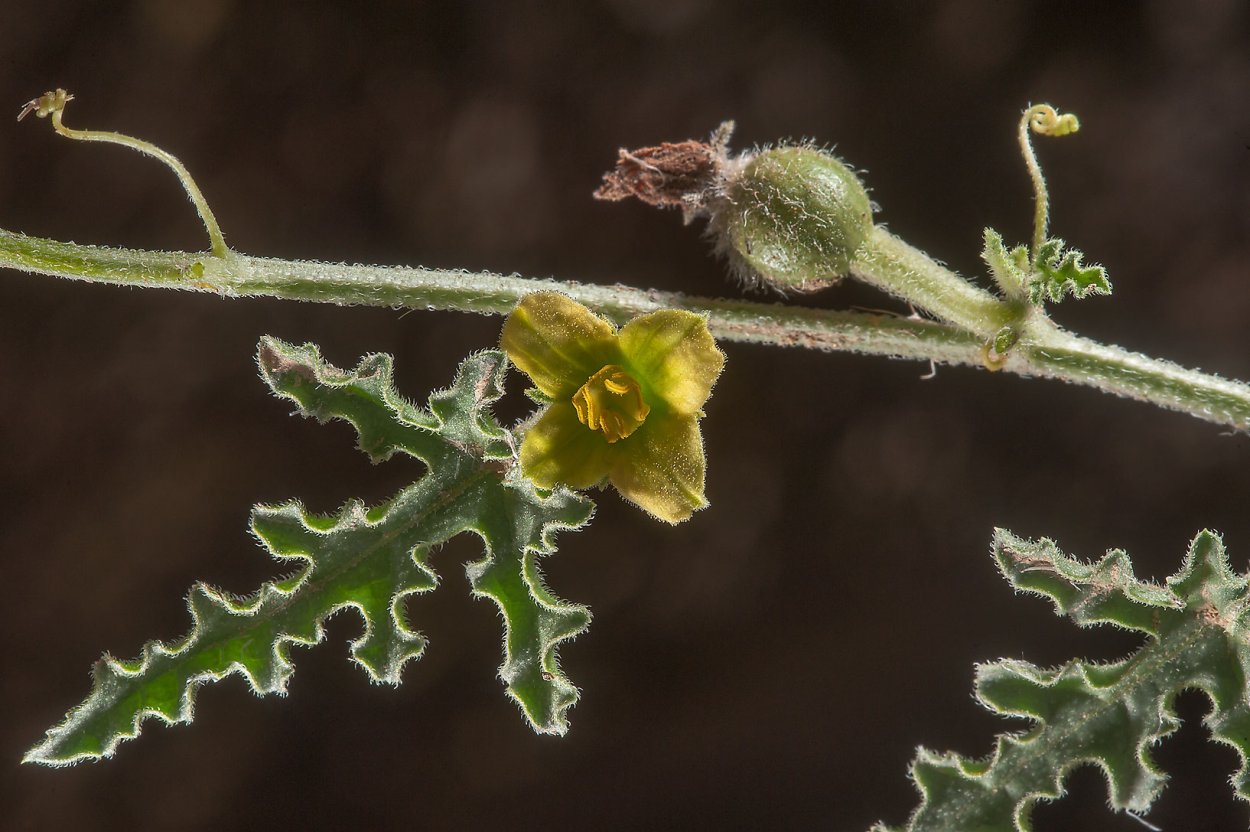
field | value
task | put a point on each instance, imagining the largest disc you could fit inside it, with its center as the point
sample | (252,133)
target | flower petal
(557,342)
(560,449)
(662,471)
(676,355)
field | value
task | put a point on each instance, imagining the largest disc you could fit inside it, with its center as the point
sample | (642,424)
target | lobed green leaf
(1058,273)
(370,560)
(1106,715)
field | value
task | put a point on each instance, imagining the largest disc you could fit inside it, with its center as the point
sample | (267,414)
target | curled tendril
(1047,121)
(1044,120)
(53,104)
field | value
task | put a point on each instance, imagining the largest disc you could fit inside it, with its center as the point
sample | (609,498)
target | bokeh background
(771,664)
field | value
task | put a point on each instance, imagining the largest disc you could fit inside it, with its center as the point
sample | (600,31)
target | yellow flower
(625,406)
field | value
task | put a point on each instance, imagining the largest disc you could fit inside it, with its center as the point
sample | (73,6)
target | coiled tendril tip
(1047,121)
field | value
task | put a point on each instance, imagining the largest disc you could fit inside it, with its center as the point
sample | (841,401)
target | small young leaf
(1010,269)
(1108,715)
(367,559)
(1058,273)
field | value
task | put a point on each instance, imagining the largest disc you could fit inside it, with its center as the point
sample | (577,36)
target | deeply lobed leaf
(1107,715)
(1059,272)
(371,560)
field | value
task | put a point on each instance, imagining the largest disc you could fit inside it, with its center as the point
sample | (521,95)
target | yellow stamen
(611,402)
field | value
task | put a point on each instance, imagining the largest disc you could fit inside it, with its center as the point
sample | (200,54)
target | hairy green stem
(1044,350)
(416,288)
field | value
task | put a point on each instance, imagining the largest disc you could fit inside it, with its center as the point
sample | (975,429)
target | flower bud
(793,217)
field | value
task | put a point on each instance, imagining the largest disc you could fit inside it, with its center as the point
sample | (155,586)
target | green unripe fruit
(794,217)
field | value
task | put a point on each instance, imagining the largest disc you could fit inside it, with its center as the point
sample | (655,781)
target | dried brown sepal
(666,176)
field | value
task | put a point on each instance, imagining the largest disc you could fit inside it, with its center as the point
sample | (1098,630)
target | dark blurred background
(771,664)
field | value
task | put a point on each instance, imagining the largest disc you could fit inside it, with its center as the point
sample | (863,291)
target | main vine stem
(1044,350)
